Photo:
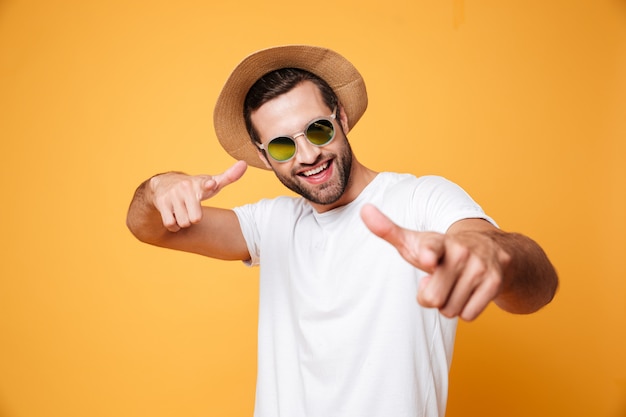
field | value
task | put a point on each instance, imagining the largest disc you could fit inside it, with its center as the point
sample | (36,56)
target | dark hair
(276,83)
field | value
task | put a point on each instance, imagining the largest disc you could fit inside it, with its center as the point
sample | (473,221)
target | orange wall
(523,103)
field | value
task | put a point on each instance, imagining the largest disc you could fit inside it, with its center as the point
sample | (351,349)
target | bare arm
(166,211)
(528,279)
(472,264)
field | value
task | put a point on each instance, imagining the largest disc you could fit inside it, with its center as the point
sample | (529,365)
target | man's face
(319,174)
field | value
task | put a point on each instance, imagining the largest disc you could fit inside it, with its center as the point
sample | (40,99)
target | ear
(263,158)
(343,119)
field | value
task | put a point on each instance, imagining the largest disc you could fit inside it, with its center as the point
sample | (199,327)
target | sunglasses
(318,132)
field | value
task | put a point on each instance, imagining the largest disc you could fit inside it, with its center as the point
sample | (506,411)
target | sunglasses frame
(330,119)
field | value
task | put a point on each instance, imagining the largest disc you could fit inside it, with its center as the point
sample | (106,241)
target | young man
(340,330)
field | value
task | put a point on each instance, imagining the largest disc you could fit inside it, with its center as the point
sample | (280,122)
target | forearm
(166,211)
(530,280)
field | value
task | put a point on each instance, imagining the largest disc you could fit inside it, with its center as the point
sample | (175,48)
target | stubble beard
(327,193)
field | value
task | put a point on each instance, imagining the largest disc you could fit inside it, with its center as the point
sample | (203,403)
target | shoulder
(400,177)
(281,207)
(428,202)
(403,183)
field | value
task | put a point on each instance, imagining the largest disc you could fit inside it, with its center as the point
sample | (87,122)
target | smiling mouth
(316,170)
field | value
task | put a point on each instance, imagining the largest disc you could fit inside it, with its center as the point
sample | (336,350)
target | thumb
(231,175)
(419,249)
(381,225)
(213,184)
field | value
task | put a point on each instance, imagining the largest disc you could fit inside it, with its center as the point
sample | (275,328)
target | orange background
(521,102)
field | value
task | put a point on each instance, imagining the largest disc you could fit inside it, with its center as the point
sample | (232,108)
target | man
(340,331)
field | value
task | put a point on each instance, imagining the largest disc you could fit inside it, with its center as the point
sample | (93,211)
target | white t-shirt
(340,331)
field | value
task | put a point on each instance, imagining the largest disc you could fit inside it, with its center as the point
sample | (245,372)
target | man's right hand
(178,197)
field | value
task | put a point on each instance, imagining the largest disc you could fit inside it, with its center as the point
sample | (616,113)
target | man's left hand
(465,266)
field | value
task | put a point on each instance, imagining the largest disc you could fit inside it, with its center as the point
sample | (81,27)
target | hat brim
(338,72)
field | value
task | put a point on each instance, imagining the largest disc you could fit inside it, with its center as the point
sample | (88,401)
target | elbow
(531,298)
(135,231)
(552,286)
(139,232)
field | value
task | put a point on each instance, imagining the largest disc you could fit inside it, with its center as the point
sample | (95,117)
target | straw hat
(338,72)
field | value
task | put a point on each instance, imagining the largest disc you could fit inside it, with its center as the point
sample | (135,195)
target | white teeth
(315,170)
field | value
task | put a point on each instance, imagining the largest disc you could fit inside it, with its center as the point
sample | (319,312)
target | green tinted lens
(281,149)
(320,132)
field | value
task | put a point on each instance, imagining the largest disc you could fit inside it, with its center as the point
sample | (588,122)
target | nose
(307,153)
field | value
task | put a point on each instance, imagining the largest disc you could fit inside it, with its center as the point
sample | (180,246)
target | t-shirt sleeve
(248,220)
(441,203)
